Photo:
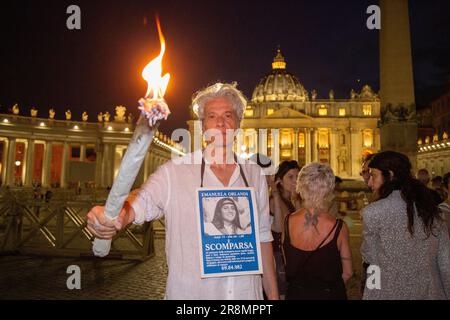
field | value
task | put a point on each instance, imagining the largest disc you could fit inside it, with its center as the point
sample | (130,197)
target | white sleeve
(444,258)
(262,200)
(151,199)
(370,235)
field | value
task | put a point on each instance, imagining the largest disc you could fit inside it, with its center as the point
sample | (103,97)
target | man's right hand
(103,227)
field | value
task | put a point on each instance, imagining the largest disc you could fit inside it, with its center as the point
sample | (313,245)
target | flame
(157,85)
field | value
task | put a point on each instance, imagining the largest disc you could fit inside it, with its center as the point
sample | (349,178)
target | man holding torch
(171,191)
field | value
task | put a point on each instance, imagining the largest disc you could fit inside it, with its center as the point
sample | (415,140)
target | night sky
(326,45)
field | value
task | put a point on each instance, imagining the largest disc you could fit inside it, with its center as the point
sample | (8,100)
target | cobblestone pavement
(33,277)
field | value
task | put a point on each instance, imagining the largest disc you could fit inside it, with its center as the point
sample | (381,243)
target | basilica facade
(284,121)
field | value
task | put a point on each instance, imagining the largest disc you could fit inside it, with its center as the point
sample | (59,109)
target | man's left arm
(269,276)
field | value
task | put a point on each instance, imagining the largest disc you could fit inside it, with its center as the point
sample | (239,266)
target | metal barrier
(58,228)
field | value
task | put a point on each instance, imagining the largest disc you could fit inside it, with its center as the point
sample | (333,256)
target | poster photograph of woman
(228,232)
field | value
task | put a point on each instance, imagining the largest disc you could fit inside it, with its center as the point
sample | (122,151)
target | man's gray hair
(315,183)
(219,90)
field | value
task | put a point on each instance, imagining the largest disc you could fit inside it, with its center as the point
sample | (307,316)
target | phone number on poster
(233,267)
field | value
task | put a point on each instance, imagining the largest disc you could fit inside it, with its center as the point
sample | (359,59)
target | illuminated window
(286,139)
(323,138)
(367,110)
(269,111)
(342,112)
(323,111)
(249,112)
(367,138)
(301,140)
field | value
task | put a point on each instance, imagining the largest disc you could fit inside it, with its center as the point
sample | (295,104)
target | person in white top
(171,192)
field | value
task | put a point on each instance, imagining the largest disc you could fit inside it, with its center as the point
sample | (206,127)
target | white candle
(152,111)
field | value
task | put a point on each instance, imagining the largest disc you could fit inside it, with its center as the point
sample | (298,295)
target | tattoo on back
(311,219)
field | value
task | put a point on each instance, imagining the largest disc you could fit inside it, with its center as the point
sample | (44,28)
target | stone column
(308,158)
(98,164)
(240,141)
(10,162)
(334,145)
(29,163)
(255,141)
(356,153)
(195,130)
(64,165)
(110,165)
(276,146)
(82,152)
(262,141)
(314,150)
(4,161)
(376,139)
(105,160)
(295,146)
(47,164)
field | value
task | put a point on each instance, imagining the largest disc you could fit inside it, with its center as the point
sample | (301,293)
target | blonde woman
(316,244)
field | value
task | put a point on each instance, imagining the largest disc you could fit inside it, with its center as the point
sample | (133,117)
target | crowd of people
(304,237)
(406,222)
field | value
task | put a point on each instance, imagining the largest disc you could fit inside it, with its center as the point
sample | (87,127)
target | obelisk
(398,125)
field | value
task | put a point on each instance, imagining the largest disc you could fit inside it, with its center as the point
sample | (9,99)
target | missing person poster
(229,232)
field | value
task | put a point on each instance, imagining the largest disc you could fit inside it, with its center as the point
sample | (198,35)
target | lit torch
(153,108)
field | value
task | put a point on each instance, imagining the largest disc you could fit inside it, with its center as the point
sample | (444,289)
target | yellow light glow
(286,153)
(367,110)
(157,85)
(110,128)
(127,130)
(42,124)
(269,112)
(323,138)
(323,111)
(301,140)
(5,120)
(342,112)
(368,138)
(75,127)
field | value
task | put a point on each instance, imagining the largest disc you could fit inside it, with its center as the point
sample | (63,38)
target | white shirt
(171,190)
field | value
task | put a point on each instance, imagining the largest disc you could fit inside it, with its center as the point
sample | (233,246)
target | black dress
(314,275)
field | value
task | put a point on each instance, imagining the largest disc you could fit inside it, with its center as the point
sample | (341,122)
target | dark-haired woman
(405,240)
(283,201)
(445,206)
(226,219)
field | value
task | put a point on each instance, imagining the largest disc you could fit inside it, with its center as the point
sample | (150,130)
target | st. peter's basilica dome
(279,85)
